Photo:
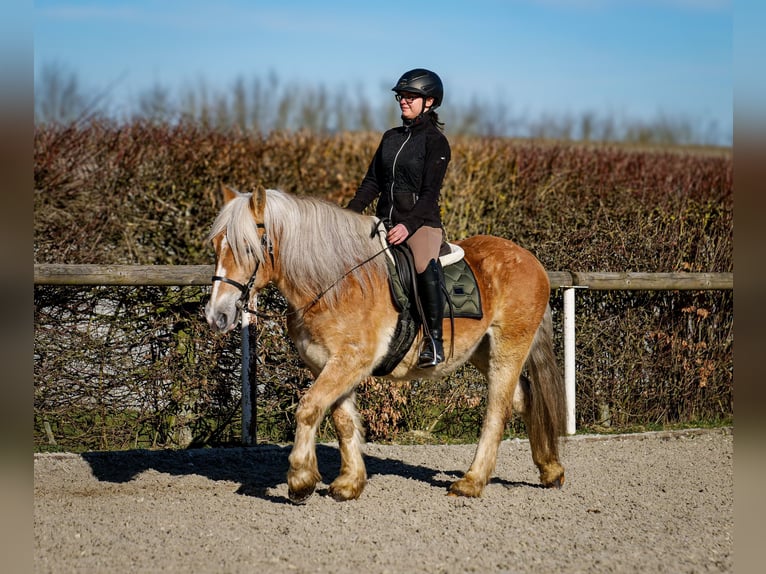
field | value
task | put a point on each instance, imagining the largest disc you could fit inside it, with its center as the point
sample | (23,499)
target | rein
(322,293)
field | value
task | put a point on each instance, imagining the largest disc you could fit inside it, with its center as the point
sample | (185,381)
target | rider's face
(412,105)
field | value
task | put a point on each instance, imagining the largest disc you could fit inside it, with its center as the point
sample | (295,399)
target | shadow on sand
(257,469)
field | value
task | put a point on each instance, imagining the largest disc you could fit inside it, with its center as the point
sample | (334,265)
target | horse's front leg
(304,474)
(353,475)
(332,384)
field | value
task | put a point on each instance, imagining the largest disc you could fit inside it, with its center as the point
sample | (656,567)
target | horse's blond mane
(235,220)
(318,242)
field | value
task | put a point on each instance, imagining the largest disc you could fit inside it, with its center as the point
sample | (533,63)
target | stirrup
(429,354)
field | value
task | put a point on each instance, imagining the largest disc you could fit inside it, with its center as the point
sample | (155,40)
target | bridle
(245,289)
(241,303)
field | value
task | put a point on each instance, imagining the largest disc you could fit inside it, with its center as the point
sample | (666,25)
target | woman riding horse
(406,175)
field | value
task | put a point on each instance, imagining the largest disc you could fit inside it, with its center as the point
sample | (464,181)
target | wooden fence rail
(55,274)
(568,281)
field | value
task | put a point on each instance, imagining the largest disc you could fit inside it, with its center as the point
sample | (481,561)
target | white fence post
(569,357)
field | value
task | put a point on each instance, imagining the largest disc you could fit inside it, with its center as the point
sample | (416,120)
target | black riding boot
(432,301)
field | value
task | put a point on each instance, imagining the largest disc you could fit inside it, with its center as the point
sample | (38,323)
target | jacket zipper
(393,176)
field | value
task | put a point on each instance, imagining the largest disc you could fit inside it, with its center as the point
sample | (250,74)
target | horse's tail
(546,397)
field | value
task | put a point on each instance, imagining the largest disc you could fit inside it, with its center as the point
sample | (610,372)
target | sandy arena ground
(656,502)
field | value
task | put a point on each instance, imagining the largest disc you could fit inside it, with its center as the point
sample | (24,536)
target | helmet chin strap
(407,122)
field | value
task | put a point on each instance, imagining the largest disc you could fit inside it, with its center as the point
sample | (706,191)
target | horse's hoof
(301,484)
(300,496)
(342,493)
(557,483)
(342,496)
(465,487)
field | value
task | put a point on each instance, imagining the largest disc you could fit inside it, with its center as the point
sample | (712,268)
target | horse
(331,270)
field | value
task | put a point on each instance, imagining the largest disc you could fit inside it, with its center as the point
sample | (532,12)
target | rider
(406,175)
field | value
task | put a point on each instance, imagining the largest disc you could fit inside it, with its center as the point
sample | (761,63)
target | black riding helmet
(423,82)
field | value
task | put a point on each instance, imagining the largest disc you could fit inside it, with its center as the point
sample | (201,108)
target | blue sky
(638,59)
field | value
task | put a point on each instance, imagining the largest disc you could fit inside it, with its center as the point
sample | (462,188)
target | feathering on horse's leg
(334,382)
(502,377)
(545,410)
(303,475)
(353,475)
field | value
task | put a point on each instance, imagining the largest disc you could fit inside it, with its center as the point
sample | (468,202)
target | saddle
(462,297)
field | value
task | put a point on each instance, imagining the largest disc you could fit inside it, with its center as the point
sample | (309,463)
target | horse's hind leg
(544,405)
(353,476)
(544,451)
(502,377)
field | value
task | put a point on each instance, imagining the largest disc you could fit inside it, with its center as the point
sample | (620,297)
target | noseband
(245,289)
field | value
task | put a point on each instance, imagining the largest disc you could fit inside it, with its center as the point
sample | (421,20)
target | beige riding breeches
(425,244)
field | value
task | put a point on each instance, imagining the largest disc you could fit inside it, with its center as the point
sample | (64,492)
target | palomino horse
(341,318)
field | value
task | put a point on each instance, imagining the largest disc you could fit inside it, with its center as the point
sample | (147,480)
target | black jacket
(406,175)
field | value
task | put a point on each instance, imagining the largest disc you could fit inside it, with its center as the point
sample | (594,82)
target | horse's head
(242,264)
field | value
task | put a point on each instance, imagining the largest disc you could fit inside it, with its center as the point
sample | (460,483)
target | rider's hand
(397,234)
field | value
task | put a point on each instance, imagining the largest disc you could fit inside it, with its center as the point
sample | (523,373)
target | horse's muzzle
(220,321)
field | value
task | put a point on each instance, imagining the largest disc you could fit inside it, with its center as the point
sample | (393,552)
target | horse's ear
(258,202)
(227,193)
